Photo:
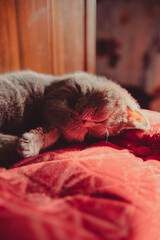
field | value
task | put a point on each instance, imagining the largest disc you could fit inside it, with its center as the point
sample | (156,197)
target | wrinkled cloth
(104,190)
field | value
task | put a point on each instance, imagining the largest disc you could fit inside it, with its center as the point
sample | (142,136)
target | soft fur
(36,109)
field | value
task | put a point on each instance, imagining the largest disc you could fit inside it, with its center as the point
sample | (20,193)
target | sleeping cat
(37,109)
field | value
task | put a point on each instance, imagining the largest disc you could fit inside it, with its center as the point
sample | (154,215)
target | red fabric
(86,191)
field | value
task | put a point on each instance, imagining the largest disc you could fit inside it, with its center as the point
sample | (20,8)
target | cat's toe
(28,145)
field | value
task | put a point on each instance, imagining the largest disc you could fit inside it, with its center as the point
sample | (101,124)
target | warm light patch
(137,116)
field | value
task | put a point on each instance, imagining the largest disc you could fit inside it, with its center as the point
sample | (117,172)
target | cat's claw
(29,145)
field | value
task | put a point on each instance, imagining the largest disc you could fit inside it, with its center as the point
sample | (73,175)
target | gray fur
(72,105)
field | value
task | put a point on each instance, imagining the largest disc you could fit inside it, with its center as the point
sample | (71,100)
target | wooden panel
(90,36)
(67,33)
(50,36)
(32,22)
(73,36)
(9,50)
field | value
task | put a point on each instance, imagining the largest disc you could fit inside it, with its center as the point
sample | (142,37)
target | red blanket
(106,190)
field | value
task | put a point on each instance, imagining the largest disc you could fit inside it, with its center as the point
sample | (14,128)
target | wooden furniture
(50,36)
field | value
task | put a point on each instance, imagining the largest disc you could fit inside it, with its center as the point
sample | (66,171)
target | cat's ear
(136,119)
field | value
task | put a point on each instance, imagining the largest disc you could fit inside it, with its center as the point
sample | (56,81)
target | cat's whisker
(107,137)
(106,134)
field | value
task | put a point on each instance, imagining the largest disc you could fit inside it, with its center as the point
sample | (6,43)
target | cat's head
(83,105)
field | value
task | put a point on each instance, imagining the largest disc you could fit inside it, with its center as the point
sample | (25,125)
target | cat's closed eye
(94,121)
(99,122)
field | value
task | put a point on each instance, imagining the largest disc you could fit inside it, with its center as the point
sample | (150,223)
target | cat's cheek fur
(74,135)
(98,131)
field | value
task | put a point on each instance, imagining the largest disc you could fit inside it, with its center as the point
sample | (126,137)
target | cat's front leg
(8,147)
(32,142)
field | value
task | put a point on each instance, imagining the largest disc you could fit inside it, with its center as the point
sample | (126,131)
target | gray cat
(36,109)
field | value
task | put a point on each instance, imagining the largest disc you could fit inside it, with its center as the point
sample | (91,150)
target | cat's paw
(29,145)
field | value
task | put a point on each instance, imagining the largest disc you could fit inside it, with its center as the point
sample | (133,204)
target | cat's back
(24,81)
(20,86)
(19,92)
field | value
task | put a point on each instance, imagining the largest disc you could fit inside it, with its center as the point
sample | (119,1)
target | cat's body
(36,109)
(21,95)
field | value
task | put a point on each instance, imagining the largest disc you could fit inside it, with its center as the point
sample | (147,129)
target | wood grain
(67,33)
(90,35)
(50,36)
(9,47)
(33,34)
